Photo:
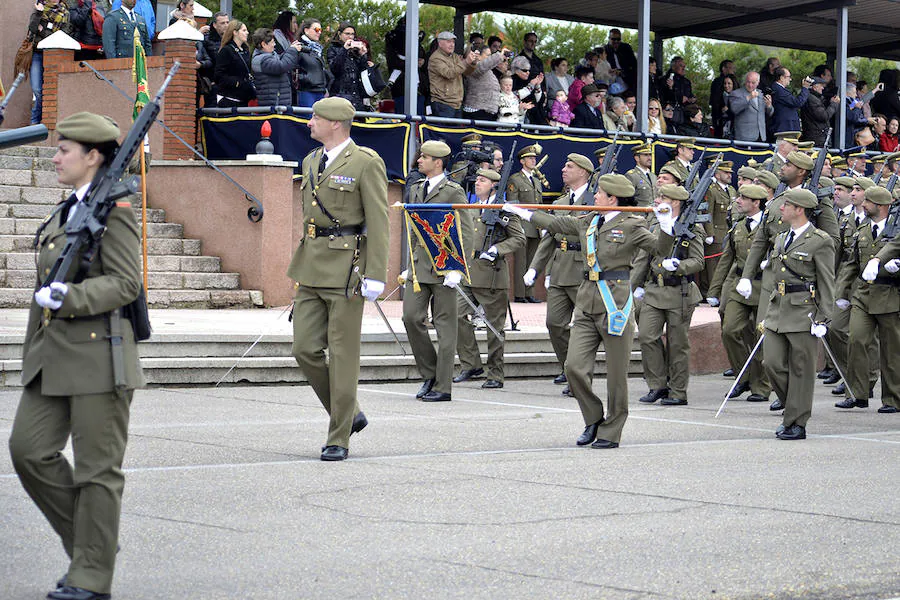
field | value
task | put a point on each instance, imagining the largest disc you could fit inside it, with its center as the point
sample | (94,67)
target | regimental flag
(438,231)
(139,76)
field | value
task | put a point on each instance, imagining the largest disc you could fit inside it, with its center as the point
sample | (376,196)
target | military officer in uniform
(739,333)
(785,143)
(340,263)
(79,370)
(609,241)
(856,164)
(719,198)
(561,256)
(641,177)
(803,263)
(745,175)
(489,284)
(684,155)
(435,290)
(668,175)
(874,305)
(664,281)
(525,188)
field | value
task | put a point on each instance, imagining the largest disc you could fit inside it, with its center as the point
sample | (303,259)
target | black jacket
(586,118)
(83,24)
(346,67)
(815,118)
(314,75)
(233,79)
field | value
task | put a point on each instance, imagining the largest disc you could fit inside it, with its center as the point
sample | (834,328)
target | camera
(477,156)
(509,54)
(808,79)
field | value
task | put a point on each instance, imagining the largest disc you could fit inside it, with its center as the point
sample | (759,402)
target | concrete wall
(15,23)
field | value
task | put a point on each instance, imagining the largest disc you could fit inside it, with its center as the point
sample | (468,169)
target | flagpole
(554,207)
(144,218)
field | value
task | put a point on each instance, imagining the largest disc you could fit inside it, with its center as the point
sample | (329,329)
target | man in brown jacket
(445,73)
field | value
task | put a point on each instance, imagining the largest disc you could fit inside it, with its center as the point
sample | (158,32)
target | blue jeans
(439,109)
(37,85)
(308,98)
(420,104)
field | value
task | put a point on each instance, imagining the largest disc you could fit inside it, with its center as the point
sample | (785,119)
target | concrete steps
(179,275)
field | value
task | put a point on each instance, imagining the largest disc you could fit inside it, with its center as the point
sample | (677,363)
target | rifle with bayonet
(491,217)
(893,218)
(692,212)
(607,166)
(695,171)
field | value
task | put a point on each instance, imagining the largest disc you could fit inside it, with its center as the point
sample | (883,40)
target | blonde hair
(228,36)
(661,120)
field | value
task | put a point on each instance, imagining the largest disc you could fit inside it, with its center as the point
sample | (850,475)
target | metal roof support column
(643,64)
(459,30)
(840,73)
(411,83)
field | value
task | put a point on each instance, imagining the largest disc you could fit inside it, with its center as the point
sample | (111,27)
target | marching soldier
(719,198)
(856,164)
(746,175)
(340,263)
(668,175)
(489,283)
(803,263)
(665,284)
(874,306)
(525,188)
(435,290)
(561,255)
(684,155)
(79,370)
(604,301)
(641,177)
(785,143)
(739,333)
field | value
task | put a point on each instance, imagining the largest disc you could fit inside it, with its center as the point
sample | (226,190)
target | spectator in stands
(614,116)
(347,59)
(655,121)
(653,85)
(314,75)
(584,75)
(887,101)
(817,113)
(445,72)
(146,9)
(538,113)
(749,107)
(529,43)
(118,32)
(46,19)
(786,117)
(561,114)
(621,57)
(602,69)
(865,95)
(510,109)
(234,81)
(271,70)
(693,125)
(395,52)
(866,139)
(889,141)
(856,120)
(530,90)
(558,79)
(879,125)
(589,114)
(476,40)
(677,89)
(630,109)
(729,84)
(212,41)
(84,31)
(482,97)
(767,74)
(285,30)
(718,99)
(184,11)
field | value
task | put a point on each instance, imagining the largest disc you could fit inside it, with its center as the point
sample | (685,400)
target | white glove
(547,282)
(709,240)
(763,264)
(671,264)
(892,266)
(402,277)
(45,296)
(522,213)
(842,303)
(639,293)
(490,255)
(744,287)
(529,276)
(712,302)
(452,278)
(371,289)
(818,330)
(871,270)
(665,217)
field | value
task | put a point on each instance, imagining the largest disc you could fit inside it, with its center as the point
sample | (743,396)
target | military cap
(789,136)
(644,149)
(582,161)
(687,143)
(88,128)
(801,160)
(747,172)
(601,152)
(616,185)
(674,192)
(839,161)
(891,156)
(472,138)
(590,88)
(753,163)
(435,148)
(334,108)
(801,197)
(825,182)
(845,181)
(805,145)
(489,174)
(753,191)
(726,165)
(671,170)
(864,182)
(878,195)
(860,154)
(532,150)
(879,159)
(768,179)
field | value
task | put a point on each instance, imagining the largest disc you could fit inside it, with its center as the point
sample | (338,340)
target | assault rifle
(610,159)
(492,217)
(813,183)
(12,90)
(87,220)
(691,212)
(893,218)
(695,171)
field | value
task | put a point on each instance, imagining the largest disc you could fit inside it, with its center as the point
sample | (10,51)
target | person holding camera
(347,59)
(272,70)
(785,104)
(313,77)
(446,70)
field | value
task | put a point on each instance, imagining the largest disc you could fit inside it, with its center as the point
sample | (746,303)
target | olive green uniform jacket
(644,186)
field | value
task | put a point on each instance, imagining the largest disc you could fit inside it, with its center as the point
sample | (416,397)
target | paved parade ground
(484,497)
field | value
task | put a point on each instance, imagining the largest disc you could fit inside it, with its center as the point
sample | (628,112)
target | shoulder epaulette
(368,151)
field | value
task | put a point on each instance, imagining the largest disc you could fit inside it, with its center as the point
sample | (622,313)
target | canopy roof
(874,28)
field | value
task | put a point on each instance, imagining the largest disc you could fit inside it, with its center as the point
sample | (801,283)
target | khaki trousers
(791,364)
(739,336)
(494,304)
(863,327)
(666,364)
(560,306)
(437,365)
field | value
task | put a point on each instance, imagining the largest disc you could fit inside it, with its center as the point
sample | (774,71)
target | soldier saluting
(341,259)
(71,385)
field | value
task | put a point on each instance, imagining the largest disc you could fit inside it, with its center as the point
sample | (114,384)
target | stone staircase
(179,275)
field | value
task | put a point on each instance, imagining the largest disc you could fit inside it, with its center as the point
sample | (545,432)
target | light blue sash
(618,319)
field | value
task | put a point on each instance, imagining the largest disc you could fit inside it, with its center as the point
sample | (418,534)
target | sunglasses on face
(615,39)
(316,29)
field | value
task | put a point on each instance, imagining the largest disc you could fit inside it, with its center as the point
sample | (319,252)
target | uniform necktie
(790,240)
(601,221)
(322,163)
(531,180)
(874,232)
(748,225)
(857,221)
(425,189)
(71,201)
(571,198)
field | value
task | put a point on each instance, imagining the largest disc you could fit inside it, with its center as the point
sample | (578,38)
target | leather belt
(312,231)
(789,288)
(607,275)
(757,277)
(668,281)
(567,246)
(894,281)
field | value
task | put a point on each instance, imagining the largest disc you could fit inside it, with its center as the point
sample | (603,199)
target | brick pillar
(180,100)
(53,59)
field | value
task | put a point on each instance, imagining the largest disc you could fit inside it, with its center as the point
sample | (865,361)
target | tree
(258,13)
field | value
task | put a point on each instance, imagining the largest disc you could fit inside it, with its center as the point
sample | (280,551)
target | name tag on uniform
(342,179)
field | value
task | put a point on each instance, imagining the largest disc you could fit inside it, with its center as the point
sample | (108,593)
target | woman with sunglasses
(314,77)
